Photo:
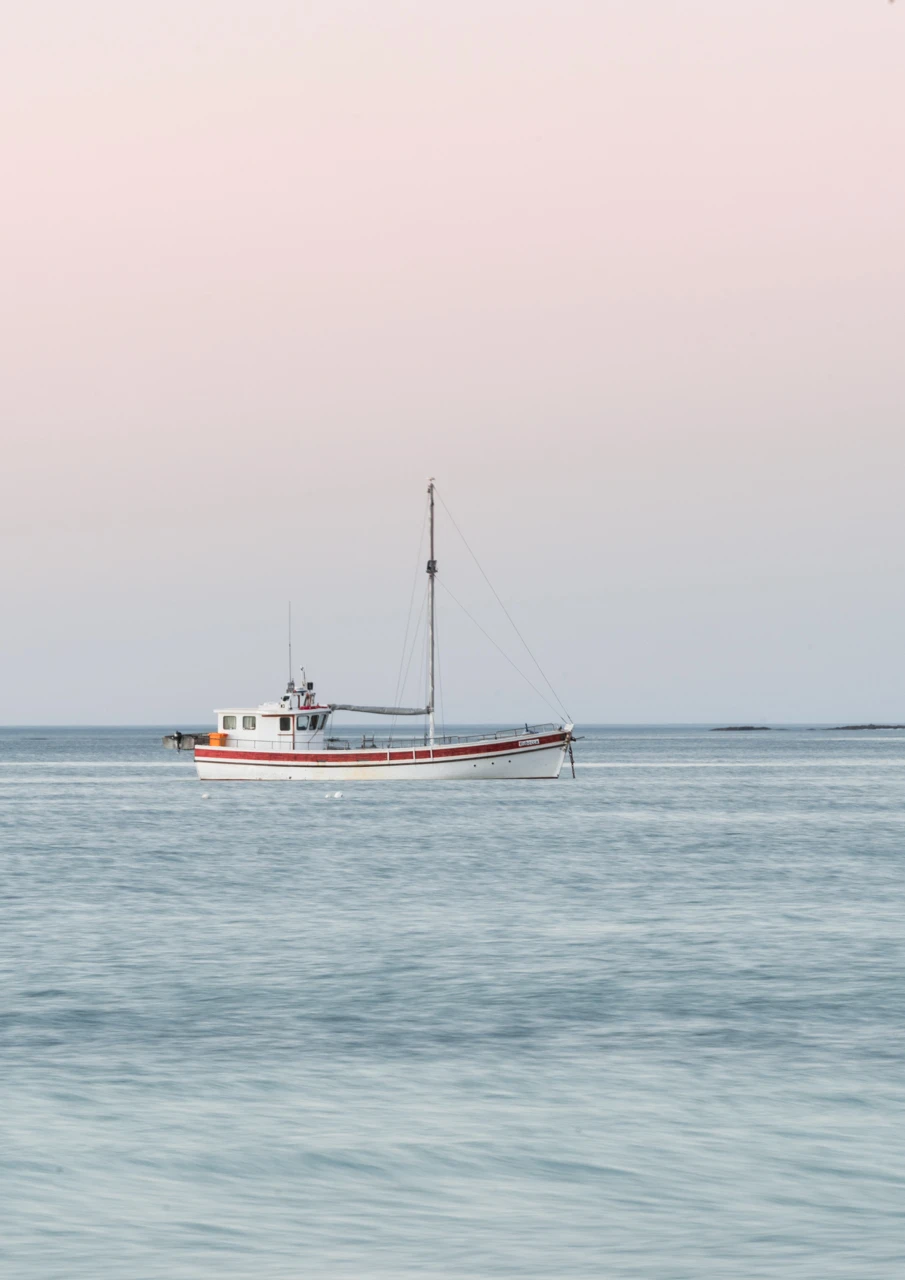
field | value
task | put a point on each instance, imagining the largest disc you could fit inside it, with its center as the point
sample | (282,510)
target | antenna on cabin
(291,685)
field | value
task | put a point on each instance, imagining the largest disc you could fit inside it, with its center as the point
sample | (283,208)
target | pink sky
(627,278)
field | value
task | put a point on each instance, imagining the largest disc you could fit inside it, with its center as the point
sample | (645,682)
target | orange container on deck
(218,739)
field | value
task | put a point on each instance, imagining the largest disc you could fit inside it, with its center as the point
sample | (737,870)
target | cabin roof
(268,709)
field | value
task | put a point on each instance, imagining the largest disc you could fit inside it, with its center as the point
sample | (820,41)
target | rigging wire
(408,620)
(415,638)
(562,709)
(423,676)
(503,652)
(440,680)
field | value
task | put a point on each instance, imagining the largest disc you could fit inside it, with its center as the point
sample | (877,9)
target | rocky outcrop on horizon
(838,728)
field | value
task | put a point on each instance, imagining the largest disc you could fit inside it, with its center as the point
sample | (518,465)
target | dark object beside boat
(185,741)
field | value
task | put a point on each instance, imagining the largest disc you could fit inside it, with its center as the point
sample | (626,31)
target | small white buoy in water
(337,795)
(205,795)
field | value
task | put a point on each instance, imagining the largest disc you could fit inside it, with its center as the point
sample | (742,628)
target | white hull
(489,761)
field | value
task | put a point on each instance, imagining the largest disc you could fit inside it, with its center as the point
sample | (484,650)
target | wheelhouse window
(285,724)
(229,722)
(301,722)
(315,723)
(249,722)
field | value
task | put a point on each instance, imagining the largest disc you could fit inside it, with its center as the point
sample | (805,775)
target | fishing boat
(292,739)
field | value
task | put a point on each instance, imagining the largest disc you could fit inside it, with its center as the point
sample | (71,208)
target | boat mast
(431,575)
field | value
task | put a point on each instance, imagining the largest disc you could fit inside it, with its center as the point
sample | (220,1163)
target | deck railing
(380,742)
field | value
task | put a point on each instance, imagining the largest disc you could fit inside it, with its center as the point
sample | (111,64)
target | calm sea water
(649,1023)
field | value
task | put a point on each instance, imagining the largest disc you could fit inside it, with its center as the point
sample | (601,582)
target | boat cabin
(295,722)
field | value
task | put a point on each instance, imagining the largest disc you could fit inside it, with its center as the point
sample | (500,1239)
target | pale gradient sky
(628,278)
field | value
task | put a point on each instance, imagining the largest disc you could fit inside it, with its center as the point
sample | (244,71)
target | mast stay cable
(408,620)
(440,683)
(562,709)
(398,692)
(418,629)
(557,711)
